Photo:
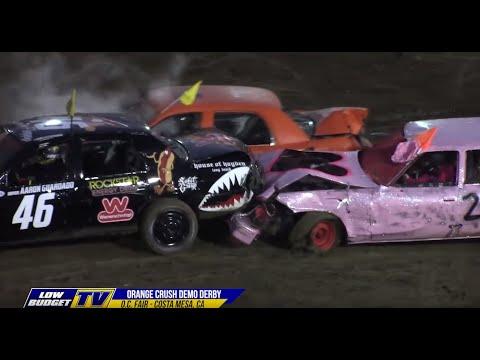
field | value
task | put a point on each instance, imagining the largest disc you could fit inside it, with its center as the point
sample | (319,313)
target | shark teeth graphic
(237,175)
(234,202)
(226,183)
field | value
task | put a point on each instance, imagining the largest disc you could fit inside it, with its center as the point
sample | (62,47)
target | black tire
(300,238)
(168,226)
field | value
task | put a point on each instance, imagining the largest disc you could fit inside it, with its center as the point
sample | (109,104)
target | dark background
(396,87)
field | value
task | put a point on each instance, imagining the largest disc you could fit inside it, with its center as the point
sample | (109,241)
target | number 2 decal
(43,212)
(468,216)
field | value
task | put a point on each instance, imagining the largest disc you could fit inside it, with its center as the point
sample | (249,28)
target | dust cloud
(33,84)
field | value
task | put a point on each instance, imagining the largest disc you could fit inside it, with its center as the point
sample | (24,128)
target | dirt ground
(396,87)
(404,275)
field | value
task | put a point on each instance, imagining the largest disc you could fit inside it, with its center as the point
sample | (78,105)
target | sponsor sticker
(122,185)
(115,210)
(219,166)
(165,163)
(187,183)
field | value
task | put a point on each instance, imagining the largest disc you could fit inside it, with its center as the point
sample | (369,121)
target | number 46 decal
(43,212)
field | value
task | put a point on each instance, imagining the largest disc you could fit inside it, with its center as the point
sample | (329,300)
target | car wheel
(316,232)
(168,226)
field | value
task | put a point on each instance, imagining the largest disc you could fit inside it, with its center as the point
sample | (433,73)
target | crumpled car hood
(277,180)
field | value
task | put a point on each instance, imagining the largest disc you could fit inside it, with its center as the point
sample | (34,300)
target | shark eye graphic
(228,192)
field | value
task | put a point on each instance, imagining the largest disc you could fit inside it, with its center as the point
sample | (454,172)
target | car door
(113,181)
(423,203)
(37,191)
(469,195)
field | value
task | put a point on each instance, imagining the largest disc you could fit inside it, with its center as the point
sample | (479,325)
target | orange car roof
(160,98)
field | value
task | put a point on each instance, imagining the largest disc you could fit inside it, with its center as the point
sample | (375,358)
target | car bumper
(242,228)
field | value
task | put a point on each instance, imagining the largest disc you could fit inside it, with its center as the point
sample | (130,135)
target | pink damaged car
(422,184)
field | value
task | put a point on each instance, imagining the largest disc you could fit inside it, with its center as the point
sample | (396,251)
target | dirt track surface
(396,87)
(423,275)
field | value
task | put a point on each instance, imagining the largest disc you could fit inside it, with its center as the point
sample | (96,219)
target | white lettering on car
(41,218)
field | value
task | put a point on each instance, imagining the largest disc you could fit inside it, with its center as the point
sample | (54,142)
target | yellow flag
(72,104)
(190,95)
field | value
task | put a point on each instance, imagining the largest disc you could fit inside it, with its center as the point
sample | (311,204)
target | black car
(104,173)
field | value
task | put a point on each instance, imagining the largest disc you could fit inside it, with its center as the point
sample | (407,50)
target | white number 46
(43,212)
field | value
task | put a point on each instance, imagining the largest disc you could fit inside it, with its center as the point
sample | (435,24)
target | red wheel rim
(323,235)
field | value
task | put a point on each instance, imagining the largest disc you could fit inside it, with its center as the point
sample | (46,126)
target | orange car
(256,117)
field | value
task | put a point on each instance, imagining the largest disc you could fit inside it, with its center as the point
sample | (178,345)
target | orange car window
(249,128)
(179,124)
(306,123)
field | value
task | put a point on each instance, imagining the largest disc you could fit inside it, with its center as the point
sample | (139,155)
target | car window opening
(249,128)
(49,164)
(377,162)
(9,147)
(437,168)
(306,123)
(104,158)
(473,167)
(177,125)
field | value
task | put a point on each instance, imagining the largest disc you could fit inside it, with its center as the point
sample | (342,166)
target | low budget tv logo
(130,298)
